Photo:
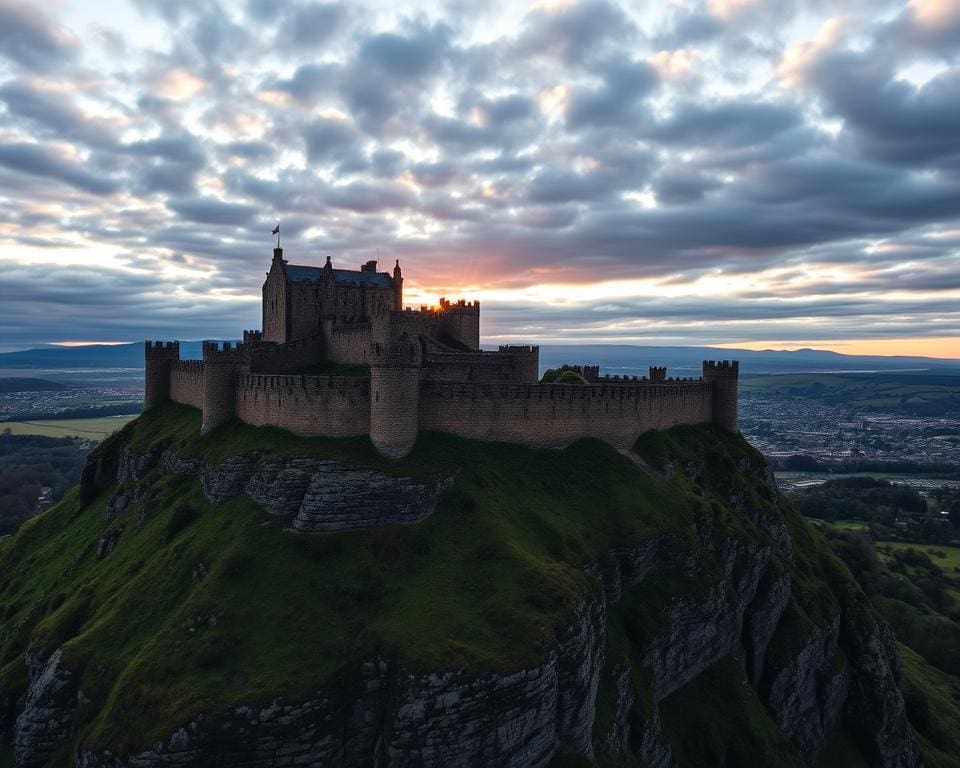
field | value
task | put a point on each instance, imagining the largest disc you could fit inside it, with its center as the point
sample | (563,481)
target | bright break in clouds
(726,171)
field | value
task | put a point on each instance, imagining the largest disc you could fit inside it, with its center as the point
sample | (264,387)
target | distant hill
(19,384)
(618,359)
(686,361)
(93,356)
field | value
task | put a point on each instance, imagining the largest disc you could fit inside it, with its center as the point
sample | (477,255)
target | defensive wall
(334,406)
(348,343)
(186,382)
(397,401)
(519,365)
(558,414)
(291,356)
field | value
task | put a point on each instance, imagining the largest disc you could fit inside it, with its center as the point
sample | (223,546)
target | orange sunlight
(87,343)
(947,347)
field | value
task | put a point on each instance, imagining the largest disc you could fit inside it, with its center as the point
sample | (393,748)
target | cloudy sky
(736,172)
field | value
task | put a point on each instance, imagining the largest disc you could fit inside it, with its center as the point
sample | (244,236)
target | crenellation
(426,371)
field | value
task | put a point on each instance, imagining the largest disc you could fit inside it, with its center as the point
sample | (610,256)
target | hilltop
(252,594)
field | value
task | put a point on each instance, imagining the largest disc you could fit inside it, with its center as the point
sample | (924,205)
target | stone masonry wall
(292,356)
(186,382)
(349,343)
(334,406)
(471,366)
(558,414)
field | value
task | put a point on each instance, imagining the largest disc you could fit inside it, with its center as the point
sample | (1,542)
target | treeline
(860,498)
(911,590)
(95,412)
(799,463)
(30,463)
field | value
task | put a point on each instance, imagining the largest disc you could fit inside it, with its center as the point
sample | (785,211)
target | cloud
(310,25)
(30,38)
(617,100)
(575,32)
(733,178)
(211,211)
(328,138)
(35,160)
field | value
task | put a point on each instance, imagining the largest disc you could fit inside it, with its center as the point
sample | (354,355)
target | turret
(220,368)
(658,374)
(460,321)
(723,378)
(394,389)
(397,288)
(158,358)
(526,362)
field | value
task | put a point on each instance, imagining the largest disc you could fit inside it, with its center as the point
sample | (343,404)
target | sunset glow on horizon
(730,173)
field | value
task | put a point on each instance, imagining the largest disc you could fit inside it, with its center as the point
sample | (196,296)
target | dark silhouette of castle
(426,372)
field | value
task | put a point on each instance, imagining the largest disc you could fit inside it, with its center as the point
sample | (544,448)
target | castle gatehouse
(411,370)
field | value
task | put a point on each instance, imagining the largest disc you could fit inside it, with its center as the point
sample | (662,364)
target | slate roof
(299,274)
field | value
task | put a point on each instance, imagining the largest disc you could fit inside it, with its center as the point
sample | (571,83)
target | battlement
(252,337)
(459,304)
(721,368)
(161,349)
(287,383)
(519,349)
(658,373)
(187,365)
(225,353)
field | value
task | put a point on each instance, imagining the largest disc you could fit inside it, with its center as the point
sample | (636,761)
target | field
(949,562)
(914,394)
(92,429)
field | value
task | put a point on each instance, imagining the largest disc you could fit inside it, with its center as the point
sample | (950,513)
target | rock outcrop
(317,495)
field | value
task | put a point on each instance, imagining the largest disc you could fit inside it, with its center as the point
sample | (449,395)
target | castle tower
(658,374)
(158,357)
(394,389)
(397,288)
(723,378)
(460,321)
(220,369)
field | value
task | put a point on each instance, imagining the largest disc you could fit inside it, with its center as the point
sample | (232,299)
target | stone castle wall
(292,356)
(333,406)
(479,366)
(349,343)
(558,414)
(186,382)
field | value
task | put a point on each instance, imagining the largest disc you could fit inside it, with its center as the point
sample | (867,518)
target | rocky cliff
(274,603)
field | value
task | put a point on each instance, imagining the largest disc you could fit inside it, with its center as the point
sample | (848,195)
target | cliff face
(686,570)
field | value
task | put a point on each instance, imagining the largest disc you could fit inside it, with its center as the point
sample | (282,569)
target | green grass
(841,752)
(910,393)
(949,563)
(933,706)
(93,429)
(717,720)
(479,585)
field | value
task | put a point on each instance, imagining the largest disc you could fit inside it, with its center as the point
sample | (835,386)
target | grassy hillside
(200,608)
(477,585)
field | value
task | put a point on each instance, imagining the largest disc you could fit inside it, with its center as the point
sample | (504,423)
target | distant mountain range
(619,359)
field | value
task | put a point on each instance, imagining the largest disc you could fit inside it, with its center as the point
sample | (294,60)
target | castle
(420,369)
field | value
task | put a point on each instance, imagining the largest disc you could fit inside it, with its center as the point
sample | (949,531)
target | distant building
(426,372)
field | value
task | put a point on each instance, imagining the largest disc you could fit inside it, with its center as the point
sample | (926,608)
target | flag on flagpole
(276,230)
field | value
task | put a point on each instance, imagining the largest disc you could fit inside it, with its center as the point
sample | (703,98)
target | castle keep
(419,369)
